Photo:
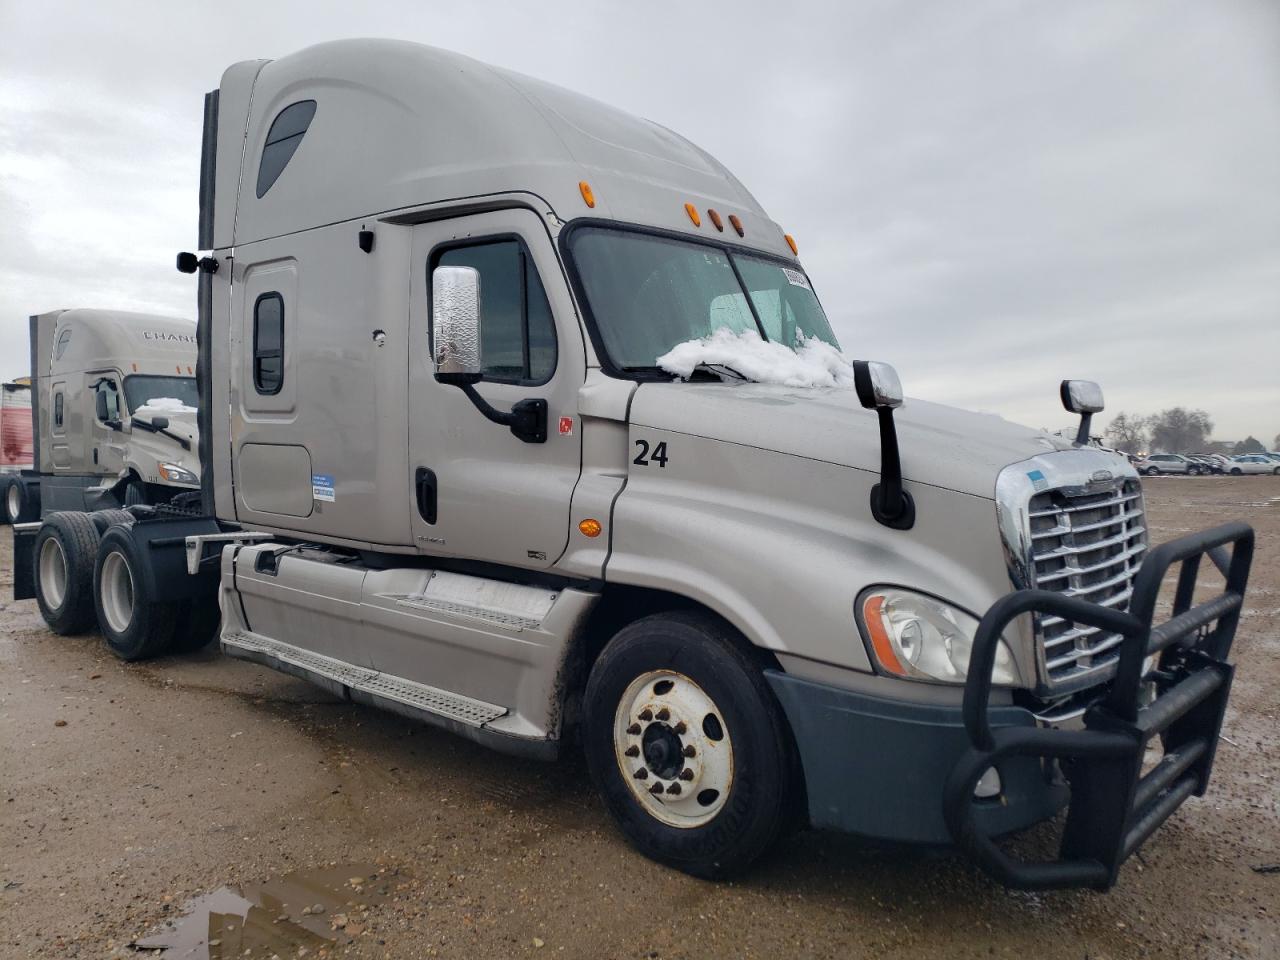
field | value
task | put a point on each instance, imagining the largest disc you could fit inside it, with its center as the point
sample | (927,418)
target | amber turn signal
(692,211)
(590,528)
(587,196)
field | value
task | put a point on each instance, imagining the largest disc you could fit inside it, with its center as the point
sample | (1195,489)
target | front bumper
(877,767)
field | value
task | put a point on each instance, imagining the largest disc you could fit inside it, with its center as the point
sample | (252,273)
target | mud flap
(24,572)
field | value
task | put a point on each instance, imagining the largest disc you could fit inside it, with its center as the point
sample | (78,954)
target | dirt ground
(126,791)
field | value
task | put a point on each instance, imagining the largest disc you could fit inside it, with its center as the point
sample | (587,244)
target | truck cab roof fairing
(400,125)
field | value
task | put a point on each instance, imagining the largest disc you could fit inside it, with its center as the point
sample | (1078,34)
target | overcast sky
(991,195)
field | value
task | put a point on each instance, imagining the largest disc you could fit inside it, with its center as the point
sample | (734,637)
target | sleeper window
(268,343)
(282,140)
(517,335)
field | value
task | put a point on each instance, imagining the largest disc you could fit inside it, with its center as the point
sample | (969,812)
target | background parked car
(1253,463)
(1168,463)
(1214,461)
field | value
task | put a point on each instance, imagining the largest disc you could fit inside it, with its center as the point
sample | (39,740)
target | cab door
(479,492)
(107,428)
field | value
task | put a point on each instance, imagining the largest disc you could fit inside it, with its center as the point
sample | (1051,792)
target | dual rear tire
(89,570)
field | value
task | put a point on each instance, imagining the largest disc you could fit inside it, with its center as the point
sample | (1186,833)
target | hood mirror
(879,389)
(455,324)
(1085,398)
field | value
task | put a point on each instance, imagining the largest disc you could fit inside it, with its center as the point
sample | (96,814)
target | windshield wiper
(722,372)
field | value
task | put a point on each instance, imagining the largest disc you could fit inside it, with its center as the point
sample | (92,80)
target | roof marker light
(692,211)
(791,242)
(587,196)
(737,224)
(715,218)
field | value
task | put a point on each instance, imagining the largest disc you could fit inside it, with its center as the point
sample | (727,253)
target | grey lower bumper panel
(877,767)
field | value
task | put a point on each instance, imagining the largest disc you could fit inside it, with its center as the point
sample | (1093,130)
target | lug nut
(680,728)
(632,751)
(656,789)
(634,730)
(686,774)
(674,789)
(664,714)
(689,751)
(646,714)
(642,773)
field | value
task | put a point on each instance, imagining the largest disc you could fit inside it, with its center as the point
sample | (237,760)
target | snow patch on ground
(165,405)
(813,363)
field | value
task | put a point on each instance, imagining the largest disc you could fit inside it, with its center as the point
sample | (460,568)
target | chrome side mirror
(455,324)
(1085,398)
(877,385)
(879,389)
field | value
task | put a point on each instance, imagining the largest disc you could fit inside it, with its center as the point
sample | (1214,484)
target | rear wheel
(1151,471)
(687,745)
(64,556)
(134,623)
(16,501)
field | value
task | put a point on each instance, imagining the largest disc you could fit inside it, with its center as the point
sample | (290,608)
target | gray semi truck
(113,413)
(448,468)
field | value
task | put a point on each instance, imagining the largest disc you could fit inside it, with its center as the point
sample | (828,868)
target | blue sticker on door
(322,487)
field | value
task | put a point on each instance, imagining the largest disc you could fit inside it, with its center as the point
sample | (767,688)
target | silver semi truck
(448,469)
(113,417)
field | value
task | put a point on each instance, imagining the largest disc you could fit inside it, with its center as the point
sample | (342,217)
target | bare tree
(1250,444)
(1178,430)
(1128,432)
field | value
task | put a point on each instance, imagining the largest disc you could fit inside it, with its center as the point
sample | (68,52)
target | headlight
(920,637)
(176,474)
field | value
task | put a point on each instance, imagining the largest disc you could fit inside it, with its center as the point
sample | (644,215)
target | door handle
(424,484)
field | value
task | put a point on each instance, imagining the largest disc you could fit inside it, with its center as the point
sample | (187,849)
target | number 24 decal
(645,457)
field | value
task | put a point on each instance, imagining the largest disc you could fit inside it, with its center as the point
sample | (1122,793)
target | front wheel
(1236,472)
(687,745)
(1151,471)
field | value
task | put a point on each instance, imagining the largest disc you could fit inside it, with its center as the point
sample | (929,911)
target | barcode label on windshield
(796,278)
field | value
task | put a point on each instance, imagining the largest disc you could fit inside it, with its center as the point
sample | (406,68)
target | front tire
(1237,472)
(135,625)
(687,745)
(63,556)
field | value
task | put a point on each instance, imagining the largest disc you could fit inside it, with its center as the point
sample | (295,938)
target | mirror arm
(1082,435)
(891,504)
(527,419)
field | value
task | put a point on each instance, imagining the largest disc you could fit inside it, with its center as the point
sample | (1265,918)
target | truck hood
(941,446)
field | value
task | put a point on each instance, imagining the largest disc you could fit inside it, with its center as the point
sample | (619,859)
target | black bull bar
(1113,806)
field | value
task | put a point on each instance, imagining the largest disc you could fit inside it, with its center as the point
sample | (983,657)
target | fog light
(988,785)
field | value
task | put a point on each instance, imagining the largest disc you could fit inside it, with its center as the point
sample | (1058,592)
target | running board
(347,678)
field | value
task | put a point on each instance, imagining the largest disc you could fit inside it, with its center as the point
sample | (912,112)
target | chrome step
(418,696)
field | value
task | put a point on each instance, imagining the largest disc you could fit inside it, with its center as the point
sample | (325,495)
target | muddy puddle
(299,913)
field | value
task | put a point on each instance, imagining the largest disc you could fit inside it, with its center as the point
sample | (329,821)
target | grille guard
(1113,807)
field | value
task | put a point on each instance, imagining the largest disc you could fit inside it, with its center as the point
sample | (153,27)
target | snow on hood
(814,363)
(163,405)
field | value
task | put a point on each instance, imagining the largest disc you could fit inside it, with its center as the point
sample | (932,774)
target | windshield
(140,390)
(647,294)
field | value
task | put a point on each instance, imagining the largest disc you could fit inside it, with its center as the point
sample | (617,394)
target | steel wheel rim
(673,749)
(13,502)
(53,573)
(116,589)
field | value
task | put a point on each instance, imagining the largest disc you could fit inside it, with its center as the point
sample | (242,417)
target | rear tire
(106,519)
(197,625)
(136,626)
(705,788)
(63,557)
(17,501)
(1151,471)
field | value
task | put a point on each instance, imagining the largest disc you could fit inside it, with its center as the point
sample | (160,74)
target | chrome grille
(1087,545)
